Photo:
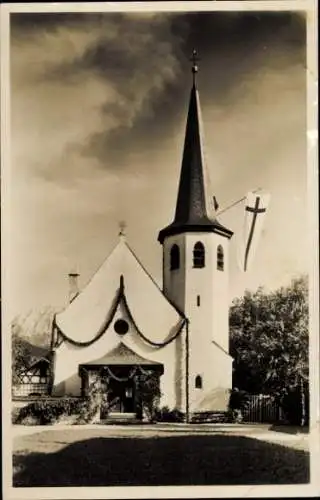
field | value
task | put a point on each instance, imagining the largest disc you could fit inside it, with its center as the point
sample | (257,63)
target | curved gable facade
(87,332)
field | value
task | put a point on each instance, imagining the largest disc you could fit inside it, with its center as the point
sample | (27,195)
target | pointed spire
(193,202)
(195,209)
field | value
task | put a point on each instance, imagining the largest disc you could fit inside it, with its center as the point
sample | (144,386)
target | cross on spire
(194,59)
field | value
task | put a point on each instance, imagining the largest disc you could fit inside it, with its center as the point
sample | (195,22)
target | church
(122,325)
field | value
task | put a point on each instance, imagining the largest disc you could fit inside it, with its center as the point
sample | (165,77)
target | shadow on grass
(289,429)
(176,460)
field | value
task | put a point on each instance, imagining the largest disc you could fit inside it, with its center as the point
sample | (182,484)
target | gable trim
(148,341)
(119,297)
(105,325)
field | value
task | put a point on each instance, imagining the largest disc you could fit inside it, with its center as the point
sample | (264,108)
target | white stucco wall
(68,358)
(174,281)
(217,382)
(207,322)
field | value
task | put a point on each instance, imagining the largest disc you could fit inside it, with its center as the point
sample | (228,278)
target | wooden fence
(262,409)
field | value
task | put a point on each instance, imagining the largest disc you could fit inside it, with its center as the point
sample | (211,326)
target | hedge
(166,415)
(49,411)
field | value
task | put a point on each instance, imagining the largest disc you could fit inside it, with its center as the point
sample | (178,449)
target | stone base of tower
(213,392)
(213,408)
(209,417)
(216,400)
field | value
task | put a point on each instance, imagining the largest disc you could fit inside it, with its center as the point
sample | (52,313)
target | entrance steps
(121,418)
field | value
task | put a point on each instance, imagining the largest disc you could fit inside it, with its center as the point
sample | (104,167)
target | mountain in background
(35,326)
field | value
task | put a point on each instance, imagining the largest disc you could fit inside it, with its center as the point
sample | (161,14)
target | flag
(256,205)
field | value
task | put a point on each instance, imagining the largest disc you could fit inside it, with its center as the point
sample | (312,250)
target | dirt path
(291,439)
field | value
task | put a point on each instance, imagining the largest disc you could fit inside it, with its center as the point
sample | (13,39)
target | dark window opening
(198,382)
(44,369)
(84,384)
(174,257)
(198,300)
(198,255)
(220,258)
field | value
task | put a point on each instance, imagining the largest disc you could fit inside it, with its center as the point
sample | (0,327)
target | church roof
(88,316)
(122,355)
(194,208)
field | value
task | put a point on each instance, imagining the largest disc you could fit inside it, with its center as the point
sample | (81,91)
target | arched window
(220,258)
(198,382)
(198,255)
(174,257)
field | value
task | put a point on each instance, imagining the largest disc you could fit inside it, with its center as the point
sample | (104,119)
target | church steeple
(194,208)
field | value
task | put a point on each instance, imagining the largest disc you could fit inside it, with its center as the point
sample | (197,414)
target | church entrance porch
(120,397)
(118,390)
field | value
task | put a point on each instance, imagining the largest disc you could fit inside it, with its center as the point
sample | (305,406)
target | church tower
(195,271)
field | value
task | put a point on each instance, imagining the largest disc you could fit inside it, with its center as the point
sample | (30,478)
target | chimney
(73,285)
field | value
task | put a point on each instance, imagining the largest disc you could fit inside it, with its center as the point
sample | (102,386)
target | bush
(88,411)
(149,393)
(164,414)
(95,400)
(47,411)
(238,402)
(14,414)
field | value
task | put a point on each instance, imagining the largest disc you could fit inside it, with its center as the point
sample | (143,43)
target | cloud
(126,71)
(98,113)
(88,84)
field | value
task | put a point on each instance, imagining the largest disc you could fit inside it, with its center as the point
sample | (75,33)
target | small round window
(121,326)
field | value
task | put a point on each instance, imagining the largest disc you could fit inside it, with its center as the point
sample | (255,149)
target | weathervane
(122,227)
(194,59)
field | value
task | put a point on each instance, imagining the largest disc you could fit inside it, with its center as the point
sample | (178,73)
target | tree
(269,340)
(20,355)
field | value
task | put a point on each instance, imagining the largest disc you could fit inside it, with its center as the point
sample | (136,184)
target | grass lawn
(98,457)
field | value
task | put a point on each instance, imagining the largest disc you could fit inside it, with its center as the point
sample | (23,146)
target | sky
(98,112)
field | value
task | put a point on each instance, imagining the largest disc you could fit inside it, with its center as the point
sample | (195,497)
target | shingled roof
(122,355)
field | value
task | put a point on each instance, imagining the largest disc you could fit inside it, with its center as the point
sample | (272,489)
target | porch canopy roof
(122,355)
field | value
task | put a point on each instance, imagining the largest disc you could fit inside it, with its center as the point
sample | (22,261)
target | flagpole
(235,203)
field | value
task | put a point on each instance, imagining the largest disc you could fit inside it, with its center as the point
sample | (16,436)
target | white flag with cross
(256,204)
